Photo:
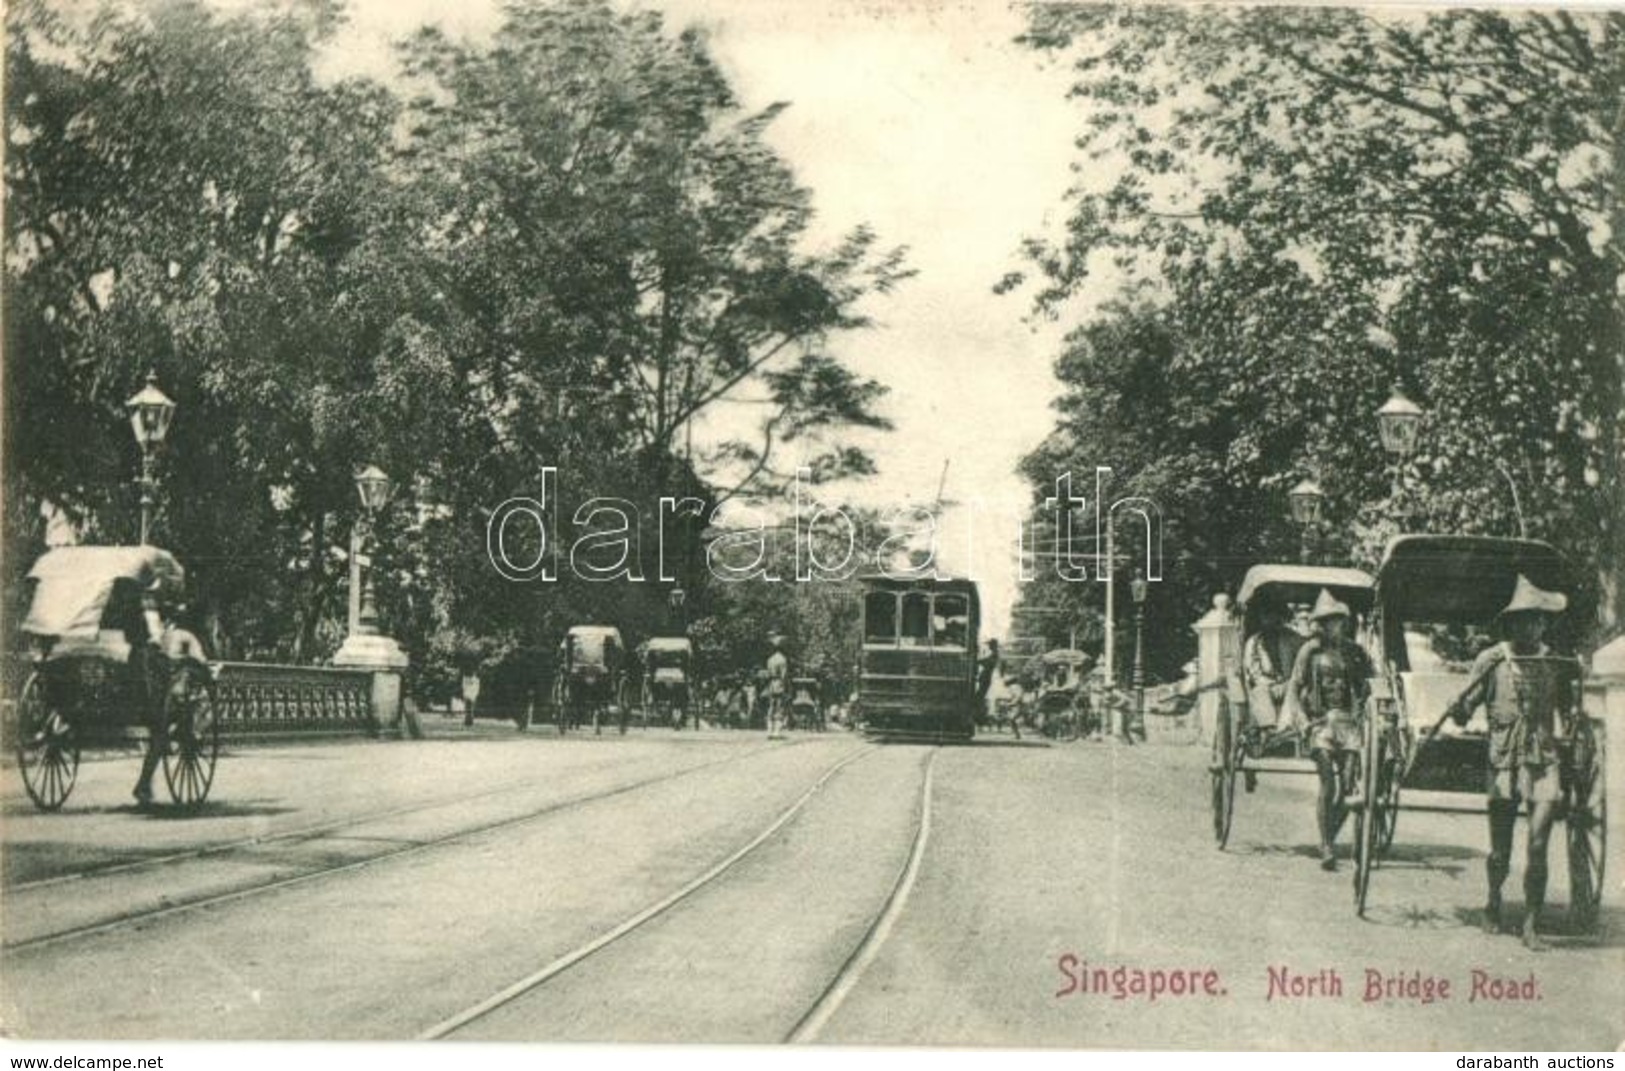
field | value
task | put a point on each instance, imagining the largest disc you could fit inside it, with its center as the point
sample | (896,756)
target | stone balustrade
(260,699)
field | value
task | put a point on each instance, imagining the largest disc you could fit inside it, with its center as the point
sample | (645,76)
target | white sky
(921,118)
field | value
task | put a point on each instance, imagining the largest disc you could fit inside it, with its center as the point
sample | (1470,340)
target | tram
(917,660)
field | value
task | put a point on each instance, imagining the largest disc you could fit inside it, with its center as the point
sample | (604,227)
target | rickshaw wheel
(1587,826)
(192,741)
(1223,777)
(1393,767)
(1368,815)
(47,748)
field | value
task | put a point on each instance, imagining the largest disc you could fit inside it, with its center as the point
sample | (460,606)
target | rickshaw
(667,662)
(1432,591)
(99,675)
(1255,733)
(591,677)
(1061,699)
(806,707)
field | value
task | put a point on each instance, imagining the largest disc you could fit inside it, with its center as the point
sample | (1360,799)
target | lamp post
(1399,422)
(150,412)
(1138,589)
(1306,501)
(365,647)
(372,484)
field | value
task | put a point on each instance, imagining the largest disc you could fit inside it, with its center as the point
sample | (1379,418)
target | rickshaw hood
(74,585)
(1457,578)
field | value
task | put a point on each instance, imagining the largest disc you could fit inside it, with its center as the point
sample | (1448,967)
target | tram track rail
(405,849)
(305,832)
(811,1022)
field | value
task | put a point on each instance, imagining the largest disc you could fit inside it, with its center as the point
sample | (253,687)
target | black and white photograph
(945,524)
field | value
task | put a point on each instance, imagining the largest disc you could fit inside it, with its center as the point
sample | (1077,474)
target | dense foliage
(559,247)
(1292,211)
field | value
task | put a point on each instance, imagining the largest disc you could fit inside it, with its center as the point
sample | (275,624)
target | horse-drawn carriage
(101,676)
(667,689)
(591,678)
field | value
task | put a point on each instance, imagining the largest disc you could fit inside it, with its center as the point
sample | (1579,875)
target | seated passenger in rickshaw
(1267,661)
(1331,684)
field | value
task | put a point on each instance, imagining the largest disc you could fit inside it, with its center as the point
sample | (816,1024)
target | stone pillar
(1607,677)
(384,659)
(1218,650)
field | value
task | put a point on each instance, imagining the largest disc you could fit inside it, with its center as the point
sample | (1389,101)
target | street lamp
(1138,590)
(372,484)
(1399,422)
(1306,501)
(150,412)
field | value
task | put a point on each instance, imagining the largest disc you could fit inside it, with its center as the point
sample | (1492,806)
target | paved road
(714,887)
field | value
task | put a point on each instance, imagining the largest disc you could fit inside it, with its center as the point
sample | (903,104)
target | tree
(1323,203)
(184,196)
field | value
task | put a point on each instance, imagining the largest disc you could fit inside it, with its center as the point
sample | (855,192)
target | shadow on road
(169,812)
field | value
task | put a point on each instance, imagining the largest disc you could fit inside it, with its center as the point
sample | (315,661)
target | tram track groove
(561,964)
(408,848)
(857,964)
(310,832)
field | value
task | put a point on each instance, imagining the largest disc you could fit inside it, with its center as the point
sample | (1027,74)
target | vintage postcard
(934,523)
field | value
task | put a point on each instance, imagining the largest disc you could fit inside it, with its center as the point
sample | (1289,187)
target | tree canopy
(559,247)
(1293,211)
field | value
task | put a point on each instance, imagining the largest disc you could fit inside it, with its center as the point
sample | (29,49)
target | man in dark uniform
(986,667)
(1518,684)
(1331,680)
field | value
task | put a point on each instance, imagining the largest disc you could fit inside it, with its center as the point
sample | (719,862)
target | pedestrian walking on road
(778,687)
(1520,697)
(986,668)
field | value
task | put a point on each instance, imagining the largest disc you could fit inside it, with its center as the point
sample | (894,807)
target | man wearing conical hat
(1331,682)
(1520,686)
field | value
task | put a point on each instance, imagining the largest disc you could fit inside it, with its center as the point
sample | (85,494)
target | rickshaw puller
(1520,702)
(164,678)
(1331,681)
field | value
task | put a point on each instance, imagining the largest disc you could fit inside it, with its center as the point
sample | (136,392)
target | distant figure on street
(986,667)
(778,687)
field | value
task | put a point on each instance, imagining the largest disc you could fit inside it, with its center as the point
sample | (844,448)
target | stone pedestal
(1218,650)
(384,659)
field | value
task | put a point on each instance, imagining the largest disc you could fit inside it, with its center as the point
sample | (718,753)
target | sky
(923,119)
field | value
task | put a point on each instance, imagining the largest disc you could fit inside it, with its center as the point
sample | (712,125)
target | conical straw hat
(1328,605)
(1527,598)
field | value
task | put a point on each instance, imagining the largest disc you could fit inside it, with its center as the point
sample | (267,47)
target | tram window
(950,626)
(880,617)
(916,631)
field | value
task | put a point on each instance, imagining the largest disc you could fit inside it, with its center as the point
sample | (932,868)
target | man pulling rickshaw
(1330,680)
(1518,684)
